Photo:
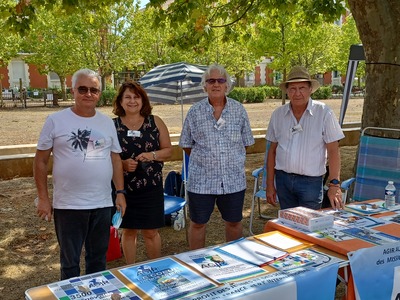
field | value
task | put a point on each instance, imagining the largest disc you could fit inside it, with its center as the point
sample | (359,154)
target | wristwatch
(334,181)
(120,192)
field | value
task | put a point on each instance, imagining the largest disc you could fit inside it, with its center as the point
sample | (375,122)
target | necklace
(133,123)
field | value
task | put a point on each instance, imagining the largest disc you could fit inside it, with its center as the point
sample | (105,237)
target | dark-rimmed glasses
(214,80)
(84,89)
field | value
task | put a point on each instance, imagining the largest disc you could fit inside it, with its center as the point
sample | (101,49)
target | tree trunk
(378,25)
(63,90)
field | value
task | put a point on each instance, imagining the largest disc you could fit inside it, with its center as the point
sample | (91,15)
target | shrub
(255,95)
(239,94)
(324,92)
(272,92)
(107,97)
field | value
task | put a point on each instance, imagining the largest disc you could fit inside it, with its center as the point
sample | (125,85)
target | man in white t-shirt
(85,150)
(304,134)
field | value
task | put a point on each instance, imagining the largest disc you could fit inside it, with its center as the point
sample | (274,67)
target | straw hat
(299,74)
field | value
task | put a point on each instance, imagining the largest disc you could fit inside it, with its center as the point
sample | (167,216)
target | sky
(143,3)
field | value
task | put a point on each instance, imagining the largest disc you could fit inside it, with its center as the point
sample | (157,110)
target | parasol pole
(183,151)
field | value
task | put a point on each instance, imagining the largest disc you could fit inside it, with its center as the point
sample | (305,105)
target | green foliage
(324,92)
(272,92)
(255,95)
(239,94)
(107,97)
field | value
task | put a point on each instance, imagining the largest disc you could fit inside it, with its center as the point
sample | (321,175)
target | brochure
(335,233)
(166,279)
(251,251)
(92,286)
(372,236)
(219,266)
(302,258)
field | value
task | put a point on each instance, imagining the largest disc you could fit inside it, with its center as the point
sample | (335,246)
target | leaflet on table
(372,236)
(279,240)
(219,266)
(307,257)
(166,279)
(392,218)
(335,233)
(370,208)
(251,251)
(92,286)
(349,219)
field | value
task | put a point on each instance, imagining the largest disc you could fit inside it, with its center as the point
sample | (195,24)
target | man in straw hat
(303,135)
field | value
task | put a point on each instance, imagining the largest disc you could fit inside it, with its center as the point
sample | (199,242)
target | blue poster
(166,279)
(376,272)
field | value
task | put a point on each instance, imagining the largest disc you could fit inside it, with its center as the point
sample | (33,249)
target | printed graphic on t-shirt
(90,144)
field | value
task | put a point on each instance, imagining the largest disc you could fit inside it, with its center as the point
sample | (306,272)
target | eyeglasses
(214,80)
(84,89)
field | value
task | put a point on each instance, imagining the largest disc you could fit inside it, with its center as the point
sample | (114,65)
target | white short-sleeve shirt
(302,145)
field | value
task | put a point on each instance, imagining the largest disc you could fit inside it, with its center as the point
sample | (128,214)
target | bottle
(390,195)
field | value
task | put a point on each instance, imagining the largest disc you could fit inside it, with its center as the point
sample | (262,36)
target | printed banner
(376,272)
(298,284)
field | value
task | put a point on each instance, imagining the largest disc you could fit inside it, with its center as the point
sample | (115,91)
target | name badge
(133,133)
(220,123)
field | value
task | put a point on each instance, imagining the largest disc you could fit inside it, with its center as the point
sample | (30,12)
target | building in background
(18,72)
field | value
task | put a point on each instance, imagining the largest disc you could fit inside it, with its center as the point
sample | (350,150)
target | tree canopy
(219,29)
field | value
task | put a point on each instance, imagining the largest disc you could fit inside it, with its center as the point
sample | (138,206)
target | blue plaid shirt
(218,153)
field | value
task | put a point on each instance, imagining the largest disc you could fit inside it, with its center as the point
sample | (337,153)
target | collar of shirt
(309,109)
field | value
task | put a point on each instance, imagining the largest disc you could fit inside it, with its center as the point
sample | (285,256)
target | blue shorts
(230,206)
(298,190)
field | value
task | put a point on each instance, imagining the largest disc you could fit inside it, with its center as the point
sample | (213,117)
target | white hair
(221,71)
(85,72)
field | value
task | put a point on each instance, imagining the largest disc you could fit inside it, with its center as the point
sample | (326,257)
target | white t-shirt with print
(82,166)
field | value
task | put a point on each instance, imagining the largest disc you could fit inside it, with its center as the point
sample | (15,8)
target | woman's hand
(129,165)
(145,157)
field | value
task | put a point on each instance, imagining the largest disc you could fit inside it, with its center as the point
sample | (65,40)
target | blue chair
(173,204)
(378,162)
(176,203)
(259,191)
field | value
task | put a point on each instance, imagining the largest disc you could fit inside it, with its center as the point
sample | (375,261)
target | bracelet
(154,155)
(120,192)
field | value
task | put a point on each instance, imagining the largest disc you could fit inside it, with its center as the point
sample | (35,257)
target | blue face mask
(116,219)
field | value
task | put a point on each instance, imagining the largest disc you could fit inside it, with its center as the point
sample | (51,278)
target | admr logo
(96,283)
(145,270)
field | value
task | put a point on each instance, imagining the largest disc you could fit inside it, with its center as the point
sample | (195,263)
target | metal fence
(26,99)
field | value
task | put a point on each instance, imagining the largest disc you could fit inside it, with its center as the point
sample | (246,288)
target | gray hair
(221,71)
(85,72)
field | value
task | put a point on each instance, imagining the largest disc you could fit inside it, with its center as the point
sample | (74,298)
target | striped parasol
(174,83)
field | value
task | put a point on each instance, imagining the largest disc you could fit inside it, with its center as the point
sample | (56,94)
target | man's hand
(120,203)
(271,196)
(335,197)
(44,209)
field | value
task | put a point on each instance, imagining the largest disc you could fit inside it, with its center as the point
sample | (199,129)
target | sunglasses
(214,80)
(84,89)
